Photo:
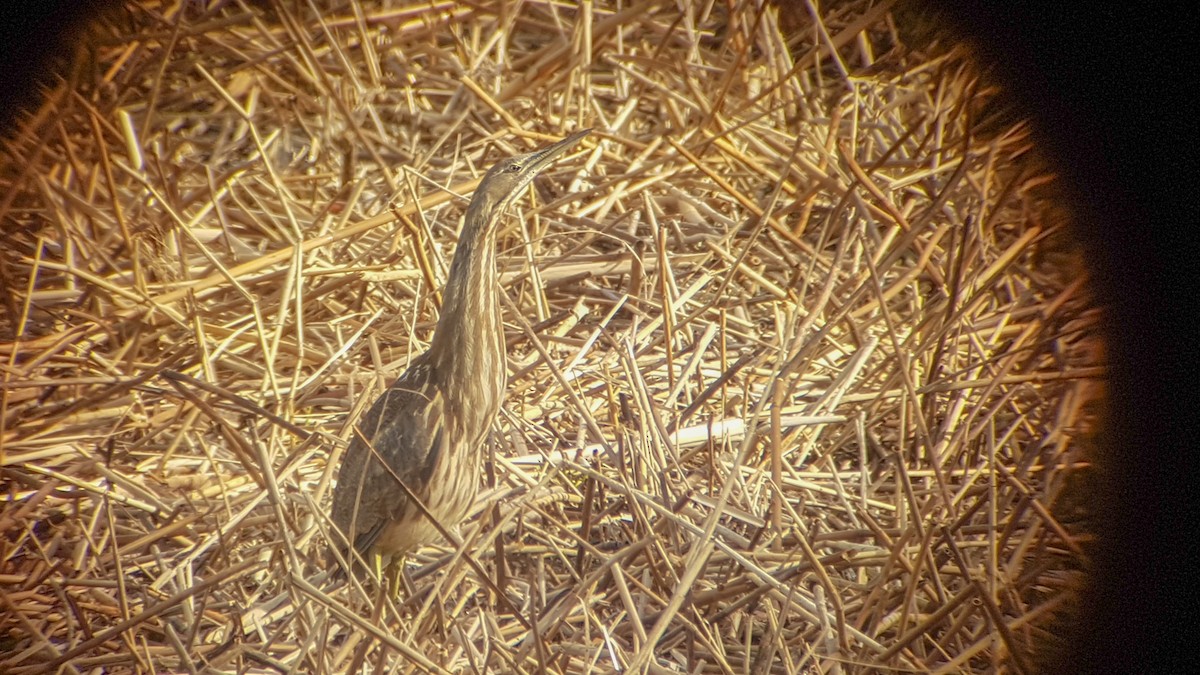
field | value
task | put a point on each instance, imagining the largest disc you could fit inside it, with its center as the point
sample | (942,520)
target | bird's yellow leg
(377,563)
(396,577)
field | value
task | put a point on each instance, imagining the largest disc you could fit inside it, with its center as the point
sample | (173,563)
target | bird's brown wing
(404,427)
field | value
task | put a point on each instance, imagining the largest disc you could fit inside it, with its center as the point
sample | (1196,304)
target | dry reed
(803,363)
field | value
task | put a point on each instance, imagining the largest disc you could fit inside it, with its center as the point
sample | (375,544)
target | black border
(1107,87)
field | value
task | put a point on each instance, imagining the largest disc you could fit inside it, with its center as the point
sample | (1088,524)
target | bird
(423,437)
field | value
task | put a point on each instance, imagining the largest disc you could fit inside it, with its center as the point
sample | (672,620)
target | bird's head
(507,180)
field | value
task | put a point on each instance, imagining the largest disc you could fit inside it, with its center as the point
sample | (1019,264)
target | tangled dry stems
(803,363)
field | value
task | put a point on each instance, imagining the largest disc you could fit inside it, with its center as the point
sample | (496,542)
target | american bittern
(429,427)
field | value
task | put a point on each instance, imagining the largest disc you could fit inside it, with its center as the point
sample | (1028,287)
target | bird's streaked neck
(468,341)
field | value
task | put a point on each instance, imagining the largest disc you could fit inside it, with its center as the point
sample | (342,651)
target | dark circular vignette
(1098,83)
(1101,85)
(36,36)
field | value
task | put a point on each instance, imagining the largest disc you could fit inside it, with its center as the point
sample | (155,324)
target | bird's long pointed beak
(540,159)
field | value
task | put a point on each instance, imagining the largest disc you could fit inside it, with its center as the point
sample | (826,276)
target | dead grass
(803,364)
